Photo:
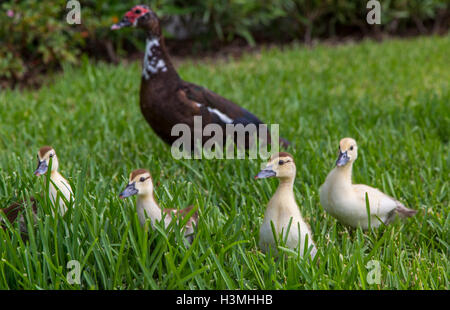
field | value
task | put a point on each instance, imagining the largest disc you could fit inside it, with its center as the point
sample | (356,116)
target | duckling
(282,207)
(58,182)
(141,184)
(16,212)
(347,202)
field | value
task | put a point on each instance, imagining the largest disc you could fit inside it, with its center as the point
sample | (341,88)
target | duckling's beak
(342,159)
(266,173)
(130,190)
(41,169)
(123,23)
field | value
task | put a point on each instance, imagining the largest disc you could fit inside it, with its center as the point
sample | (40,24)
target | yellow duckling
(282,208)
(141,184)
(347,202)
(58,182)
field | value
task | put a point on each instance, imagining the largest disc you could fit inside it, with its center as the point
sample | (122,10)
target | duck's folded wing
(225,110)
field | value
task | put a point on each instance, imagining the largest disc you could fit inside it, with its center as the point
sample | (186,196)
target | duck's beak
(41,169)
(123,23)
(266,173)
(342,159)
(130,190)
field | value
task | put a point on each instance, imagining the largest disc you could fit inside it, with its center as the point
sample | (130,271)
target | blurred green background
(393,98)
(35,37)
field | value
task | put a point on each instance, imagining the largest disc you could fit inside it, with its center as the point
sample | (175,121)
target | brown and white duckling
(347,202)
(282,208)
(141,184)
(15,212)
(58,182)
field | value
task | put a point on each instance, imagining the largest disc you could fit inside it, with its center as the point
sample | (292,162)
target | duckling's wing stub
(184,212)
(382,203)
(189,226)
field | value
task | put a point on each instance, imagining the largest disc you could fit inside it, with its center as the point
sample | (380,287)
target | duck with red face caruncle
(165,99)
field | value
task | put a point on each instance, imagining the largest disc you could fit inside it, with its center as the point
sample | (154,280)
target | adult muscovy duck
(167,100)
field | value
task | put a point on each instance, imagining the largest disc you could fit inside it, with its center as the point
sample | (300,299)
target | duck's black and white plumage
(167,100)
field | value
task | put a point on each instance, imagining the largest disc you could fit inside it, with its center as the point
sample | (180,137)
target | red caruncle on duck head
(140,16)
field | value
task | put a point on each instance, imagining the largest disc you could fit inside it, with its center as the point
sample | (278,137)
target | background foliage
(34,35)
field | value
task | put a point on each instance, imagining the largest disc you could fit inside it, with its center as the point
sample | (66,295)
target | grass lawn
(393,98)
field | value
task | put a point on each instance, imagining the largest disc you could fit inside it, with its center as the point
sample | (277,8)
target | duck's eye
(281,162)
(137,11)
(142,179)
(351,148)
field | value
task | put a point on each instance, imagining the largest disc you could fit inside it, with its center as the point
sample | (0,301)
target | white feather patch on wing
(224,118)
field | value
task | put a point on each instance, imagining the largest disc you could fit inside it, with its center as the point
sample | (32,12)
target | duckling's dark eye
(351,148)
(281,162)
(142,179)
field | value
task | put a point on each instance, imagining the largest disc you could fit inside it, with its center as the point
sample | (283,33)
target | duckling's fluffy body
(59,184)
(347,202)
(280,210)
(283,210)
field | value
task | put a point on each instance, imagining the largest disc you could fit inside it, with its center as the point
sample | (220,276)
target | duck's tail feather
(403,211)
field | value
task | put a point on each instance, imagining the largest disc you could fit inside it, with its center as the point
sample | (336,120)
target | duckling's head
(280,165)
(140,183)
(348,152)
(140,16)
(44,155)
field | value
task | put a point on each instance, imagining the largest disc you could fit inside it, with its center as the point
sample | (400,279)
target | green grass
(393,98)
